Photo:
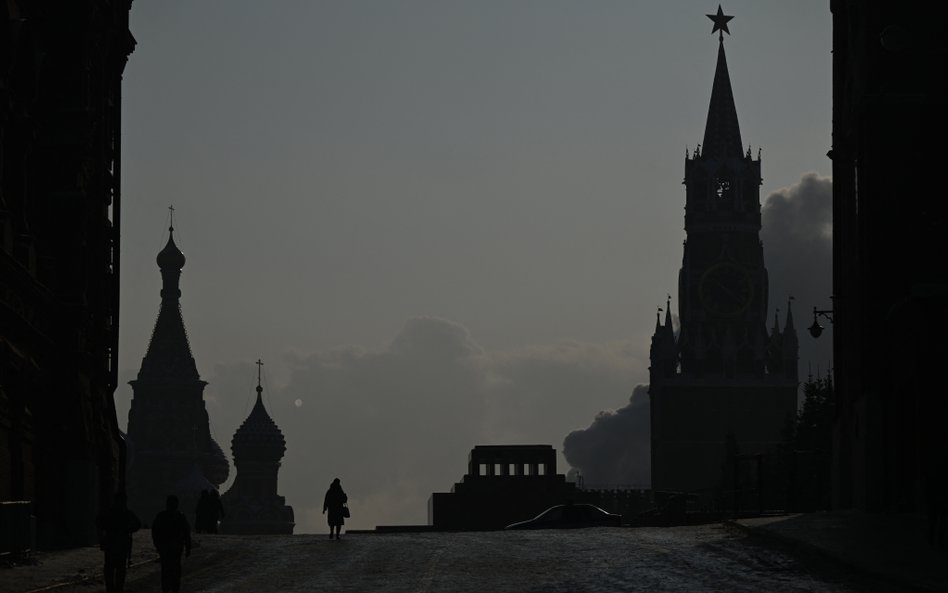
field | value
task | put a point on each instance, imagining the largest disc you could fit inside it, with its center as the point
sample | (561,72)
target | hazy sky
(460,213)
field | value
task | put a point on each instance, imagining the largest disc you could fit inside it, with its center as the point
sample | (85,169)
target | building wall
(60,94)
(890,274)
(691,425)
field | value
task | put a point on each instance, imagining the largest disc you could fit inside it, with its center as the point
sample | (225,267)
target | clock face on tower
(725,289)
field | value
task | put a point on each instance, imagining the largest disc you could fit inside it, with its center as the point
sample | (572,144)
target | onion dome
(170,258)
(214,464)
(259,436)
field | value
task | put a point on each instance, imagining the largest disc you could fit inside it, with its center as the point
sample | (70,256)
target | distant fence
(786,480)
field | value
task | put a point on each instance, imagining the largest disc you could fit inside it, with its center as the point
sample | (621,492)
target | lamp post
(816,330)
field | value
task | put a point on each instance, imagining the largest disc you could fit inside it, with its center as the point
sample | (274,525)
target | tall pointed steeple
(169,357)
(169,434)
(722,133)
(731,381)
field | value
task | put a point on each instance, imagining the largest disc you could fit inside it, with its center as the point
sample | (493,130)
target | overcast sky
(490,191)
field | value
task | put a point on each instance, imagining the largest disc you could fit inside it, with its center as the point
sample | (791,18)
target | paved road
(654,560)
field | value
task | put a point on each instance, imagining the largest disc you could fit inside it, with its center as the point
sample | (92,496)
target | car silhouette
(570,516)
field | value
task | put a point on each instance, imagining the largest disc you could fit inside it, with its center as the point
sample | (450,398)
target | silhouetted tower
(724,374)
(168,427)
(252,504)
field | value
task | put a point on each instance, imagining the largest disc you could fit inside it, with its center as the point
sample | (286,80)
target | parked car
(570,516)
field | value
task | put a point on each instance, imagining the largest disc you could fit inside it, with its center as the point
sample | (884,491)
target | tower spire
(722,133)
(169,353)
(789,327)
(259,364)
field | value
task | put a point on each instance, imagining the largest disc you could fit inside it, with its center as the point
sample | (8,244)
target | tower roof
(169,357)
(259,431)
(722,133)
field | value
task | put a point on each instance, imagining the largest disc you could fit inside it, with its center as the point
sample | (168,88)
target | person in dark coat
(335,503)
(116,526)
(171,535)
(215,511)
(202,512)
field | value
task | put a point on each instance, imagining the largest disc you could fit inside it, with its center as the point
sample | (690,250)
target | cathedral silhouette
(722,385)
(171,450)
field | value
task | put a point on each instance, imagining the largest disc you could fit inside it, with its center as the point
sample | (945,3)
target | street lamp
(816,330)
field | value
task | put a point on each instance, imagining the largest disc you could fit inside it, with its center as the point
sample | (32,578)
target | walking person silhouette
(172,535)
(215,511)
(335,503)
(116,526)
(201,512)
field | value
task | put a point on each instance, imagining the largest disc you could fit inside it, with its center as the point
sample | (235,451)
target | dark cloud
(614,450)
(798,249)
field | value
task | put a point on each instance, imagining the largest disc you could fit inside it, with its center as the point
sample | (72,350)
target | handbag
(345,511)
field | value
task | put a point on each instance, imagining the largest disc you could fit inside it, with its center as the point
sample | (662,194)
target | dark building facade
(722,377)
(171,450)
(504,484)
(252,503)
(890,263)
(61,67)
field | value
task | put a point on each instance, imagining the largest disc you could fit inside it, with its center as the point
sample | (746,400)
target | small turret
(655,369)
(790,345)
(775,347)
(252,503)
(663,352)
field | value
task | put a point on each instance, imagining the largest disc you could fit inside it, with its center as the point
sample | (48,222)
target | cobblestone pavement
(679,559)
